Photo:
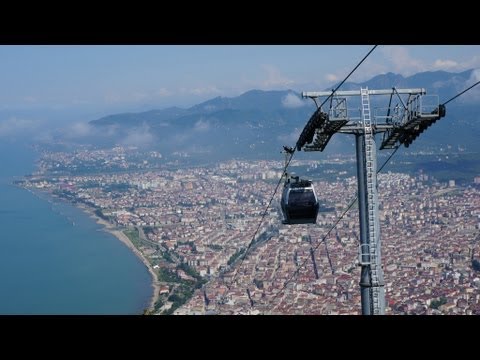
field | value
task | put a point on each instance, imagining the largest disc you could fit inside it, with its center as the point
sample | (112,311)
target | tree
(435,304)
(476,265)
(258,283)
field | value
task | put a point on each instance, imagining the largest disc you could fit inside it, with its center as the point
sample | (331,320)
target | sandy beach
(124,239)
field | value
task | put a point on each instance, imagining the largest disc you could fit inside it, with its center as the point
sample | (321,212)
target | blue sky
(42,86)
(101,77)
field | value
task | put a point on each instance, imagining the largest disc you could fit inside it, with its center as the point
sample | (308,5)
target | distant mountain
(251,124)
(442,83)
(257,123)
(134,119)
(251,100)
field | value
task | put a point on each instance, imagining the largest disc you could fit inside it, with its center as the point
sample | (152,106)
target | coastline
(124,239)
(108,227)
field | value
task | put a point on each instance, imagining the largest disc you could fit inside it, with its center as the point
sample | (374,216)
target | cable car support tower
(401,123)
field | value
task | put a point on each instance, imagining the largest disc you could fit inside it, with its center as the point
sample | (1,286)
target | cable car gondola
(299,202)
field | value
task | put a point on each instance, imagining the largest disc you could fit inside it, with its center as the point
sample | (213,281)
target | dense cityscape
(193,224)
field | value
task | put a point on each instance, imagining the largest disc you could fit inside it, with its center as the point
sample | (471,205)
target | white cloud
(365,72)
(472,63)
(395,59)
(81,129)
(331,77)
(473,95)
(163,92)
(290,138)
(271,79)
(292,101)
(452,65)
(13,125)
(201,126)
(274,78)
(139,137)
(445,64)
(111,130)
(474,77)
(399,57)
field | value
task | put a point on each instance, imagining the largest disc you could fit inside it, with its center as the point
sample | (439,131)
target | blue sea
(55,259)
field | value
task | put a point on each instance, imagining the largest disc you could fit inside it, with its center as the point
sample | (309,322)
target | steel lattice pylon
(400,124)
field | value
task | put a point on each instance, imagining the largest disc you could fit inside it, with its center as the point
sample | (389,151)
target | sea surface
(55,259)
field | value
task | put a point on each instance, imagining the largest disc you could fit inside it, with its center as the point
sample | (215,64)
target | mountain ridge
(270,100)
(261,122)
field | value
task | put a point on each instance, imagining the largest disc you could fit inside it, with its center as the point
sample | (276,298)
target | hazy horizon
(59,87)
